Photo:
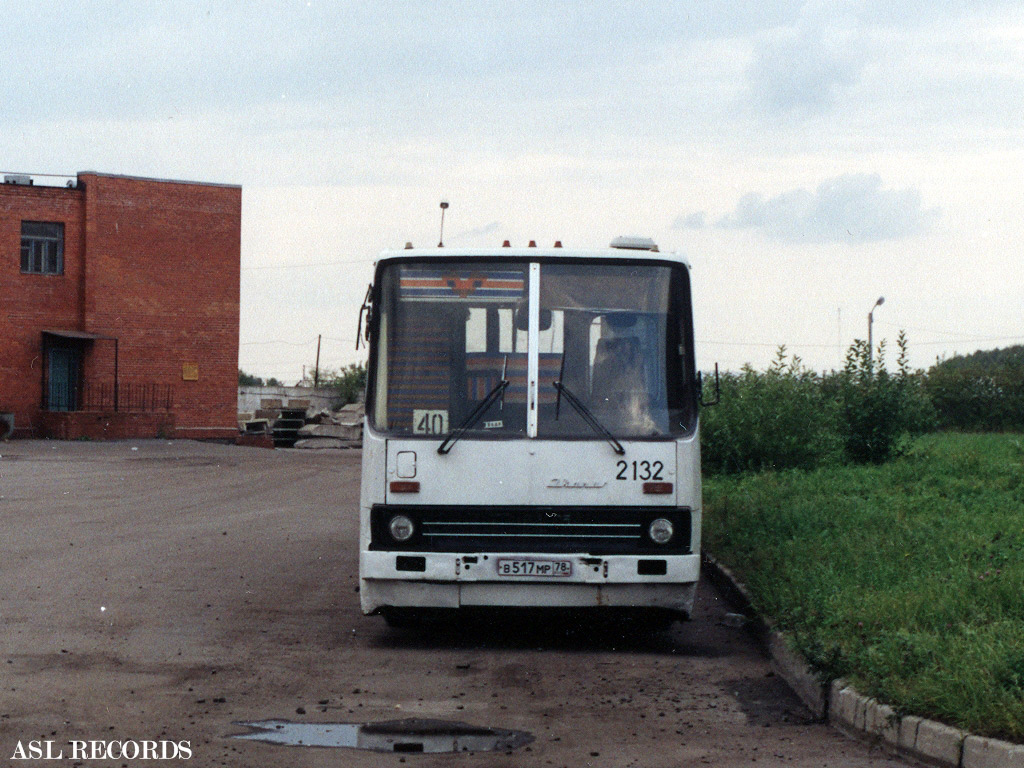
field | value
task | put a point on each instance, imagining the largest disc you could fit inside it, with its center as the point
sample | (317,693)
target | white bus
(531,432)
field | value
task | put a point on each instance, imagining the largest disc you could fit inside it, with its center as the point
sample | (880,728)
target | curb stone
(791,667)
(908,733)
(939,743)
(858,716)
(980,752)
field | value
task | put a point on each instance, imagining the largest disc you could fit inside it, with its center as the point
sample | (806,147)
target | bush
(772,420)
(350,381)
(983,391)
(248,379)
(788,417)
(878,409)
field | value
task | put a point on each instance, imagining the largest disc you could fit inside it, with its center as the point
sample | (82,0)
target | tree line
(791,417)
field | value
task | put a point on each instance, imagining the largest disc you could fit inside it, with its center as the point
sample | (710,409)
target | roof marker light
(634,243)
(558,243)
(408,246)
(506,244)
(533,244)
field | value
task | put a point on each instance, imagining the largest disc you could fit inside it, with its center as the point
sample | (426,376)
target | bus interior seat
(618,384)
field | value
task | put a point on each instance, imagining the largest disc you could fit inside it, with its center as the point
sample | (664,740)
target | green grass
(907,579)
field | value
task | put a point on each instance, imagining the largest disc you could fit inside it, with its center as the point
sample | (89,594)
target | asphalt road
(166,591)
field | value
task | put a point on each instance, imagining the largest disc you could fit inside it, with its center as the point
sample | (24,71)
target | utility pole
(839,334)
(316,371)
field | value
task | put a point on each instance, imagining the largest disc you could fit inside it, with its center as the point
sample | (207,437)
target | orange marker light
(656,488)
(405,486)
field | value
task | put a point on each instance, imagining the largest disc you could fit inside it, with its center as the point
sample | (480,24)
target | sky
(806,157)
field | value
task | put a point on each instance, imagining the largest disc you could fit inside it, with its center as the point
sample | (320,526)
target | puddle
(411,735)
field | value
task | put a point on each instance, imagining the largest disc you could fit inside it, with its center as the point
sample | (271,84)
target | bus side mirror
(700,389)
(366,309)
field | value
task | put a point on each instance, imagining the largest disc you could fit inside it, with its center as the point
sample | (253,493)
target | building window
(42,247)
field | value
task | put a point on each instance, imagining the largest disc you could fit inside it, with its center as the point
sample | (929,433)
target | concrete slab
(331,430)
(320,442)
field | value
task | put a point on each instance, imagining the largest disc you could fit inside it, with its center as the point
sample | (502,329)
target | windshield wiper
(561,376)
(504,377)
(588,416)
(474,417)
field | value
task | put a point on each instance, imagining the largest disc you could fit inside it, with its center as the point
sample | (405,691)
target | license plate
(524,567)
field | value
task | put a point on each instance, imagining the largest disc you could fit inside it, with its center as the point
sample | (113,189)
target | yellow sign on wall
(190,371)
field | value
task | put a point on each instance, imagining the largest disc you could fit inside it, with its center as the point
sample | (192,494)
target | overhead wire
(763,344)
(963,336)
(310,264)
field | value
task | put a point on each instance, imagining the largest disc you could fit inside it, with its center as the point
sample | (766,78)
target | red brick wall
(30,303)
(160,271)
(105,426)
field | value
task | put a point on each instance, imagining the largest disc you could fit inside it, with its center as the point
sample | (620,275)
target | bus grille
(591,530)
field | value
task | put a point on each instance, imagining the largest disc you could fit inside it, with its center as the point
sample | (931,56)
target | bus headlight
(401,528)
(660,531)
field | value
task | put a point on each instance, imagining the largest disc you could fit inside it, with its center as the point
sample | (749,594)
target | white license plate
(525,567)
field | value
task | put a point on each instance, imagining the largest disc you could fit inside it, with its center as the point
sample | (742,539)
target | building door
(63,390)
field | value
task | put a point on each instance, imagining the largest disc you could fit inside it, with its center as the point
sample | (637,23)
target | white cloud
(803,68)
(697,220)
(852,208)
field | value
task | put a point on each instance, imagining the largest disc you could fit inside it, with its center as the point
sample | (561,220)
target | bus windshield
(613,343)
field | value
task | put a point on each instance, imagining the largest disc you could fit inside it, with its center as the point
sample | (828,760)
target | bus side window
(506,331)
(552,338)
(476,330)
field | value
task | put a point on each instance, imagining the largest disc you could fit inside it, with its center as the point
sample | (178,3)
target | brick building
(119,307)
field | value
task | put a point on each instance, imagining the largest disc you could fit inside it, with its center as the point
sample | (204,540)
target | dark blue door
(63,379)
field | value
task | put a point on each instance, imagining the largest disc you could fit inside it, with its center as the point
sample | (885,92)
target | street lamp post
(444,207)
(871,319)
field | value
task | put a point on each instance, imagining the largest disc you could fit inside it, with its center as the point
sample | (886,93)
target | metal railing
(124,397)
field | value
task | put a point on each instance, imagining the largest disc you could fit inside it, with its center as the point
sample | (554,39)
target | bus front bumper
(449,580)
